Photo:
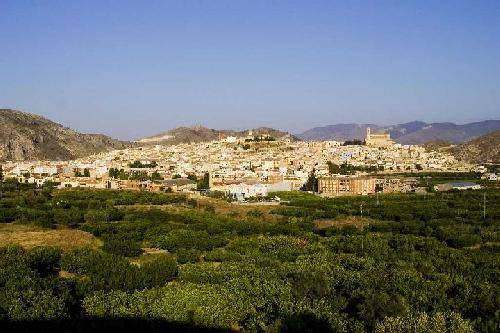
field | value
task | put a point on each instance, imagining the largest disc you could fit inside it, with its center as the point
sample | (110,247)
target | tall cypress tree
(312,183)
(1,181)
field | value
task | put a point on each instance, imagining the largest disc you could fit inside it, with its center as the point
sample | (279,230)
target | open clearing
(29,237)
(340,222)
(239,211)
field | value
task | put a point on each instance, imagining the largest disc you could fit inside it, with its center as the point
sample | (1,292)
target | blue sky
(136,68)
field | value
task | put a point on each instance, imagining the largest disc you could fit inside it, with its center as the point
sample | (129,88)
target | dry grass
(238,211)
(357,221)
(30,236)
(221,207)
(67,275)
(479,245)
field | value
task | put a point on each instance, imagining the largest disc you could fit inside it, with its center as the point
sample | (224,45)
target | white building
(242,191)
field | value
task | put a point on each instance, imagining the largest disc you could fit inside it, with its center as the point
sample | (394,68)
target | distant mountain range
(416,132)
(25,136)
(204,134)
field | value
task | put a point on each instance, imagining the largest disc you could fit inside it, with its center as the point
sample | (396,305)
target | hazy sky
(136,68)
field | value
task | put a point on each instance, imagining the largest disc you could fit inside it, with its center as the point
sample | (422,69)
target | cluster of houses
(244,169)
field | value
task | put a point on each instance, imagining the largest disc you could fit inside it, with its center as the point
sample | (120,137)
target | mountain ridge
(194,134)
(415,132)
(27,136)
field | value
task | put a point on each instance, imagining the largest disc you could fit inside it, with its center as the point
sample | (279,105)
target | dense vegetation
(354,142)
(134,175)
(349,169)
(416,263)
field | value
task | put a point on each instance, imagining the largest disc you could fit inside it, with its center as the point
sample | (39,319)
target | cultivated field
(30,236)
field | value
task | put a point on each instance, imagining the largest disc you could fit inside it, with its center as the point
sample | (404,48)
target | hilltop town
(248,166)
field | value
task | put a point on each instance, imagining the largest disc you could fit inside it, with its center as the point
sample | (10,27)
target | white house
(231,139)
(457,186)
(242,191)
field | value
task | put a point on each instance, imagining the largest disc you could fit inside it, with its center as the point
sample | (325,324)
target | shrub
(188,255)
(45,260)
(160,271)
(122,246)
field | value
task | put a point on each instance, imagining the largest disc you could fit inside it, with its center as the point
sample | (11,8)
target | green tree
(156,176)
(204,183)
(354,142)
(161,270)
(1,181)
(122,246)
(311,183)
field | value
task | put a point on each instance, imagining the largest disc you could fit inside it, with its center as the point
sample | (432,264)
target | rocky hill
(485,149)
(338,132)
(437,145)
(204,134)
(25,136)
(416,132)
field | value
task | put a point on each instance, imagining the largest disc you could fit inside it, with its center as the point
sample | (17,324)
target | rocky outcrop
(25,136)
(485,149)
